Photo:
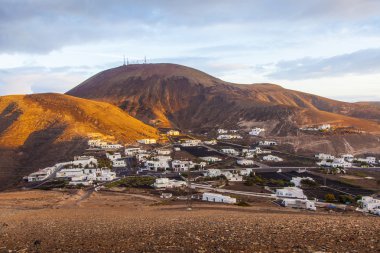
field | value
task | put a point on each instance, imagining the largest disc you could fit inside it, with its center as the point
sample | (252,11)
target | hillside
(178,96)
(39,130)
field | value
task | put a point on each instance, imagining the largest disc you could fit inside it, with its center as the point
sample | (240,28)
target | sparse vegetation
(330,197)
(137,182)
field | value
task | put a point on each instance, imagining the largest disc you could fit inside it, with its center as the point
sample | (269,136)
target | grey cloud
(359,62)
(40,26)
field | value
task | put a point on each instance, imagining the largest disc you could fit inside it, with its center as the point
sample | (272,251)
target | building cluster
(164,183)
(272,158)
(251,153)
(323,127)
(256,131)
(344,161)
(294,197)
(230,176)
(100,144)
(370,205)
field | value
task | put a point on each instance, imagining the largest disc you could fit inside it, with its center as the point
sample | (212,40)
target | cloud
(357,63)
(43,26)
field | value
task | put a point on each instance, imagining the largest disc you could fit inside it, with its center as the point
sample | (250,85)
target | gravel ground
(40,221)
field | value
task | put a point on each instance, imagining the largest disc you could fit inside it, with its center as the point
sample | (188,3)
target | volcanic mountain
(171,95)
(41,129)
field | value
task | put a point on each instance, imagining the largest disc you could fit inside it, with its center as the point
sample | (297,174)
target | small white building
(132,151)
(211,159)
(222,131)
(256,131)
(246,172)
(229,137)
(245,162)
(324,127)
(232,177)
(369,204)
(172,133)
(182,166)
(114,156)
(163,151)
(83,161)
(299,203)
(267,143)
(322,156)
(41,174)
(272,158)
(158,162)
(212,173)
(219,198)
(348,157)
(290,192)
(368,160)
(168,183)
(147,141)
(191,143)
(210,142)
(229,151)
(297,180)
(119,164)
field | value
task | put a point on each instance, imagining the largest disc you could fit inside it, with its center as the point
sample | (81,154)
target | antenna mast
(124,61)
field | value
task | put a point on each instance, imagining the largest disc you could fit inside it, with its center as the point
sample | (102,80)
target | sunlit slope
(38,130)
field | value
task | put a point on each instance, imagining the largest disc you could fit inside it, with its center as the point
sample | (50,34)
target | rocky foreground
(37,221)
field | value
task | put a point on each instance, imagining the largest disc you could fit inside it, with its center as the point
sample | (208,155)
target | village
(219,169)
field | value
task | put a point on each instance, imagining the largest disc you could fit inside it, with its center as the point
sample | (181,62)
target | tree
(329,197)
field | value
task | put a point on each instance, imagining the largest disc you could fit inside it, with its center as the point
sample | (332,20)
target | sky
(325,47)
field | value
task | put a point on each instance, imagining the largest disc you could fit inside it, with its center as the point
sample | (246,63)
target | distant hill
(179,96)
(39,130)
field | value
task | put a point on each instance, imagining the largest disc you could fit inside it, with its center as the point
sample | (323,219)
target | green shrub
(330,197)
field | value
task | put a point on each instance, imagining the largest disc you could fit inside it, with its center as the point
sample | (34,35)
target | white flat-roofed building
(210,142)
(299,203)
(290,192)
(132,151)
(245,162)
(70,172)
(114,156)
(84,161)
(182,166)
(213,173)
(256,131)
(267,143)
(229,137)
(163,151)
(218,198)
(173,132)
(348,157)
(119,164)
(191,143)
(42,174)
(229,151)
(168,183)
(147,141)
(322,156)
(222,131)
(158,162)
(369,204)
(232,177)
(211,159)
(272,158)
(246,171)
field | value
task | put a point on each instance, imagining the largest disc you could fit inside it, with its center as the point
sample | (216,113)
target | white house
(297,180)
(212,173)
(229,137)
(132,151)
(41,174)
(232,177)
(256,131)
(182,166)
(222,131)
(210,142)
(219,198)
(322,156)
(147,141)
(168,183)
(369,160)
(172,132)
(299,203)
(245,162)
(245,172)
(348,157)
(158,162)
(191,143)
(267,143)
(272,158)
(336,163)
(230,151)
(163,151)
(369,204)
(290,192)
(114,156)
(211,159)
(70,172)
(83,161)
(324,127)
(119,163)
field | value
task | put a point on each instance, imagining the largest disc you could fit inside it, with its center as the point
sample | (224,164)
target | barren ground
(54,221)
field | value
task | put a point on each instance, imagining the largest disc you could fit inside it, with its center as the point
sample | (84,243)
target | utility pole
(144,59)
(189,204)
(124,61)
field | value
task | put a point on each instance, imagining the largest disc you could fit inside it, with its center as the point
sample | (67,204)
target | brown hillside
(39,130)
(183,97)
